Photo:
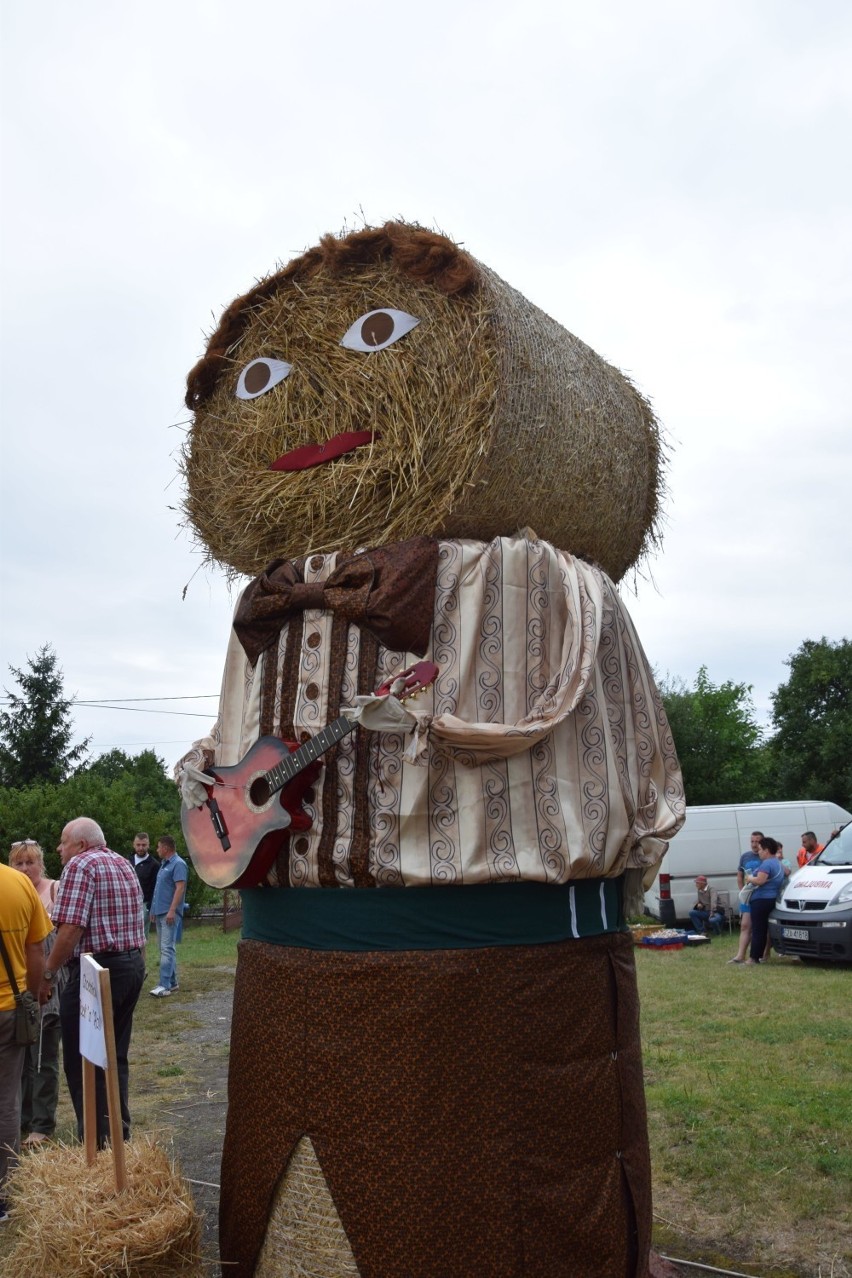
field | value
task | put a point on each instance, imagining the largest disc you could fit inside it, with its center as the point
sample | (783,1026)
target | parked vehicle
(814,917)
(713,839)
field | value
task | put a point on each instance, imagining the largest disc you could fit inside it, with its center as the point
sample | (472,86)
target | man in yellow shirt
(24,924)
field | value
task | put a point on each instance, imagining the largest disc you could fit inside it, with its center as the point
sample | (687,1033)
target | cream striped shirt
(543,750)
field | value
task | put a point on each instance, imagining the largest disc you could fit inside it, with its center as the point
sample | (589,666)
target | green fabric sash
(440,918)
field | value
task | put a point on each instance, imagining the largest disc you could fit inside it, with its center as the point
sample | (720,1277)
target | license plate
(795,933)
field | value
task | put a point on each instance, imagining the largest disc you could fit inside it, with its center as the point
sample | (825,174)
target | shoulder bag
(26,1005)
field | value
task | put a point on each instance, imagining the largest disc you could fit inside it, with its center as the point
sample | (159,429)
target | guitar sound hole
(259,792)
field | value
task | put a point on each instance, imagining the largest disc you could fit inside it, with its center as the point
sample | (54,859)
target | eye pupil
(257,377)
(377,329)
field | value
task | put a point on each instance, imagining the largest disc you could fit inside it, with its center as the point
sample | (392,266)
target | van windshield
(838,851)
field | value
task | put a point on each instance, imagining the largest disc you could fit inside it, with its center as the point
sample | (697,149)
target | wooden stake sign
(97,1047)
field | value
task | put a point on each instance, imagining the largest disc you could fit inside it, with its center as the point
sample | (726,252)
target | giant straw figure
(435,1061)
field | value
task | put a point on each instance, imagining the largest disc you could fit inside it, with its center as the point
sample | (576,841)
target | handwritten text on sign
(92,1039)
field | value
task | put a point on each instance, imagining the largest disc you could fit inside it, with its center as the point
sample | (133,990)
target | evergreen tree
(36,727)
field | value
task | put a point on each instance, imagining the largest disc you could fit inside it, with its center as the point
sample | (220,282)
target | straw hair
(305,1238)
(68,1220)
(488,415)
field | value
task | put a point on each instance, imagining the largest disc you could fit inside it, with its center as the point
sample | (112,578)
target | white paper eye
(378,329)
(260,376)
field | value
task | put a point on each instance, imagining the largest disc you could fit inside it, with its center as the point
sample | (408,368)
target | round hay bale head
(305,1238)
(482,417)
(67,1219)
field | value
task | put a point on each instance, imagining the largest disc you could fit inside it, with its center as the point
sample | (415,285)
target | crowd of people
(762,872)
(102,904)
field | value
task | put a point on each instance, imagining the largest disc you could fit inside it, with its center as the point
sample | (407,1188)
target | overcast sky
(671,182)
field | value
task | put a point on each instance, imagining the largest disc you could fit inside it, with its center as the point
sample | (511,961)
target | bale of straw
(67,1219)
(305,1238)
(488,415)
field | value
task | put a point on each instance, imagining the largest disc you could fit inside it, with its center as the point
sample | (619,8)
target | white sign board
(92,1038)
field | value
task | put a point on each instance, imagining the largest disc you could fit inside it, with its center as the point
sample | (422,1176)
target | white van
(712,840)
(814,917)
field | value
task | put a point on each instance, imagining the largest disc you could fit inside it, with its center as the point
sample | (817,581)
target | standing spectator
(40,1076)
(706,912)
(749,861)
(788,870)
(24,925)
(146,867)
(167,908)
(809,848)
(98,911)
(768,879)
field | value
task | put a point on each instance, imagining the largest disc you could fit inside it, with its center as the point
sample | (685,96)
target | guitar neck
(296,762)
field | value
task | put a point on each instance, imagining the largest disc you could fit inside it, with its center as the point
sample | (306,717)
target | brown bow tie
(389,591)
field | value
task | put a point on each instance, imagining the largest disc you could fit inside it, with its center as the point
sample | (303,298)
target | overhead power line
(98,701)
(95,701)
(101,705)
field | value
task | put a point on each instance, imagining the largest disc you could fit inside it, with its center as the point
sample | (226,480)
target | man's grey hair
(85,830)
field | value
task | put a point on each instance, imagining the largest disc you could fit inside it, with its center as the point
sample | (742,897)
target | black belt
(101,955)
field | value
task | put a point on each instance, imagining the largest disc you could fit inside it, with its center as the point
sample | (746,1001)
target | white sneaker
(160,991)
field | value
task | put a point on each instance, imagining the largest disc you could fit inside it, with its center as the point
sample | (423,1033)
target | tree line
(726,757)
(807,754)
(45,781)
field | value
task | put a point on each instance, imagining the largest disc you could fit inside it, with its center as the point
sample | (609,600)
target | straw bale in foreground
(68,1219)
(305,1237)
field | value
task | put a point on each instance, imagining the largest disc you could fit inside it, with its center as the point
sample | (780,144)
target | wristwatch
(49,976)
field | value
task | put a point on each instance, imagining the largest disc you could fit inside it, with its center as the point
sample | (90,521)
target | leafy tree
(718,740)
(36,729)
(812,716)
(123,793)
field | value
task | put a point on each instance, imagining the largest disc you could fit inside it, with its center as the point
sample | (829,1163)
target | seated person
(707,912)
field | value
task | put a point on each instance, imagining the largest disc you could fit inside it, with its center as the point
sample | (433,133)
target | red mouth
(315,454)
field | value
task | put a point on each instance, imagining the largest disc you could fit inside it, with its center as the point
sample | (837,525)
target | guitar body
(236,836)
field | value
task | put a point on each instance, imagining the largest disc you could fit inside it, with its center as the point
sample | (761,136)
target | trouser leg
(28,1065)
(760,911)
(40,1087)
(11,1060)
(127,973)
(168,956)
(69,1019)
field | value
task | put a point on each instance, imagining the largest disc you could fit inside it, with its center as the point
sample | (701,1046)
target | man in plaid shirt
(98,911)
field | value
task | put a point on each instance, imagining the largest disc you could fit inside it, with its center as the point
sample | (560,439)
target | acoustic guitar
(253,806)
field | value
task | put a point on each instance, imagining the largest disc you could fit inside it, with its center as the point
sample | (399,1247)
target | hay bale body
(70,1222)
(305,1237)
(488,416)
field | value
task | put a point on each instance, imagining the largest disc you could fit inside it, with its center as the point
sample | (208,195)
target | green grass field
(749,1092)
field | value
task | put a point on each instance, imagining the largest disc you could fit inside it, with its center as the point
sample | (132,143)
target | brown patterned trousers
(474,1112)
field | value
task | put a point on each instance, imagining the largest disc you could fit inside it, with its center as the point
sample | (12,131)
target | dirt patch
(197,1124)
